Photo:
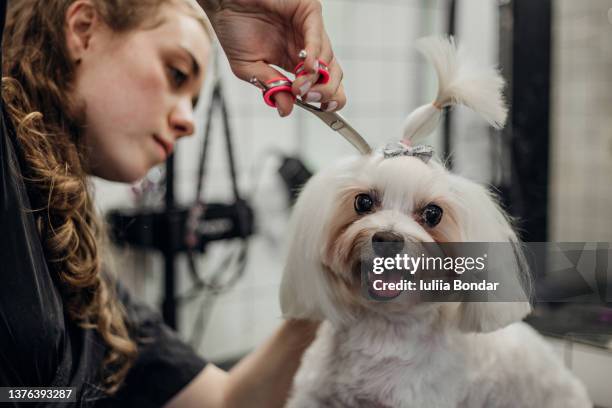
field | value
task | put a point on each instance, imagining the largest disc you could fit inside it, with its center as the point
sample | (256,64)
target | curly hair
(36,84)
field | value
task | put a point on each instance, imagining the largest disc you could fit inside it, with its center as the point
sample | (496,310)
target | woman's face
(137,90)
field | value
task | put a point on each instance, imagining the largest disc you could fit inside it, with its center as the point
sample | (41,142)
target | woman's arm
(261,379)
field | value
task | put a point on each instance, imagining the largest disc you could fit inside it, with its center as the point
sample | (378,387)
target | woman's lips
(167,146)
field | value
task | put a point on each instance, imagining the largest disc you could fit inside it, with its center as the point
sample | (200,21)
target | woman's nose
(181,119)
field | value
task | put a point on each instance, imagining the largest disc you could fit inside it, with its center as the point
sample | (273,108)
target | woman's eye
(178,77)
(363,203)
(432,215)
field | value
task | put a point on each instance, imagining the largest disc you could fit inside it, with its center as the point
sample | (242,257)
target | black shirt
(39,344)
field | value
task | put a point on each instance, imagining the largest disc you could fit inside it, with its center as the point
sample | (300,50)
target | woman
(106,87)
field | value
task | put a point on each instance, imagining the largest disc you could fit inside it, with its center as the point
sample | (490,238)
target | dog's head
(345,211)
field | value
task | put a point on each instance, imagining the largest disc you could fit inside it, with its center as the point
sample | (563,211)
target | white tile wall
(581,148)
(581,145)
(471,145)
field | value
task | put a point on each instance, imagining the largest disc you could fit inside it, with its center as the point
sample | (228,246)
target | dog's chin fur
(409,353)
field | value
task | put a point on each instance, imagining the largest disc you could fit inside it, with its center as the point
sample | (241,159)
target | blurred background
(204,240)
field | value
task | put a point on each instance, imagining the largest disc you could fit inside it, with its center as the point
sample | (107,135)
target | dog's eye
(431,215)
(363,203)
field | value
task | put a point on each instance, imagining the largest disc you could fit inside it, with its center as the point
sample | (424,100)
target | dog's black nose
(387,243)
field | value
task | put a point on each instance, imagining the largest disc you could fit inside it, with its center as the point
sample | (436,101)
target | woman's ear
(80,24)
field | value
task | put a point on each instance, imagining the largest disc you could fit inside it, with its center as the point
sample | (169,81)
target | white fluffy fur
(460,81)
(421,355)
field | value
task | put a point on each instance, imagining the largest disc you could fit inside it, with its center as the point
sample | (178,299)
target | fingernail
(316,66)
(313,97)
(331,106)
(280,112)
(305,87)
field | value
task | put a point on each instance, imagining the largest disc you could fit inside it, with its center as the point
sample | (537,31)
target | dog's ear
(482,220)
(304,290)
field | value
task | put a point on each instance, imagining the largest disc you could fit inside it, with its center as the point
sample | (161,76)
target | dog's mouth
(383,286)
(386,285)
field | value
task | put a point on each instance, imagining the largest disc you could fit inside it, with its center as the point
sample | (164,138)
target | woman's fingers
(331,96)
(302,84)
(312,29)
(265,73)
(253,40)
(336,102)
(325,93)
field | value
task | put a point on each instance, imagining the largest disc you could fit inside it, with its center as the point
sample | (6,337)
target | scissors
(332,119)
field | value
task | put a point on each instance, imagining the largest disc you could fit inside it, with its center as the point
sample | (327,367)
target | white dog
(411,353)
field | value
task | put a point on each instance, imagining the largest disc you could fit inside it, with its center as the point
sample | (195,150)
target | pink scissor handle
(323,72)
(276,85)
(283,84)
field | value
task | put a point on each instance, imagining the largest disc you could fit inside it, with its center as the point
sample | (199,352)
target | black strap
(217,101)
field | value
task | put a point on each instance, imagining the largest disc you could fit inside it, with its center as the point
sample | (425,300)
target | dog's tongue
(387,277)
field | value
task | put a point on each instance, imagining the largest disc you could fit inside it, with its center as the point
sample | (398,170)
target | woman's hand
(256,33)
(261,379)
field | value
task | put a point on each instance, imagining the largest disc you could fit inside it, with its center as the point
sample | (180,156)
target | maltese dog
(409,352)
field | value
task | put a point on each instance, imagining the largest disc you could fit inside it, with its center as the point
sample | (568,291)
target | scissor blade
(339,124)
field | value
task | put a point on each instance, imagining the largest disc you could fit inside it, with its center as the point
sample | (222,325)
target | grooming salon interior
(207,237)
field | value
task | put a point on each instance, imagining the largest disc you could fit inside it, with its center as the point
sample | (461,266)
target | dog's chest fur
(373,364)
